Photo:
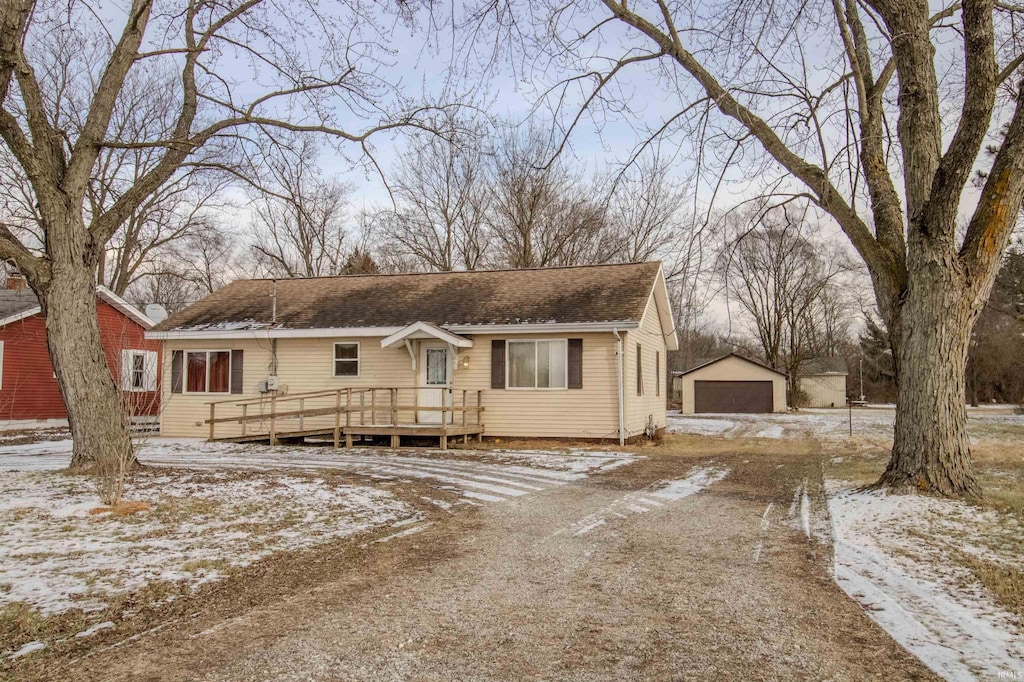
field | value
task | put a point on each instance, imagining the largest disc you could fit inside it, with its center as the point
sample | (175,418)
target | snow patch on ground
(774,431)
(641,502)
(89,632)
(27,649)
(217,506)
(698,425)
(892,555)
(58,555)
(697,480)
(832,424)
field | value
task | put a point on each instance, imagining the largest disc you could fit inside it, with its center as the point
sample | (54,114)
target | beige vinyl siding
(183,414)
(305,365)
(651,339)
(734,369)
(590,412)
(824,390)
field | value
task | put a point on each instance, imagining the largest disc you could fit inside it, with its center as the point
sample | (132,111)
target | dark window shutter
(177,360)
(575,363)
(497,363)
(236,371)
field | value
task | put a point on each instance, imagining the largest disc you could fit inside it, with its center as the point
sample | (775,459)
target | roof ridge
(447,272)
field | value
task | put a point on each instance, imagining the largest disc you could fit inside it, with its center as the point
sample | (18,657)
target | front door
(435,378)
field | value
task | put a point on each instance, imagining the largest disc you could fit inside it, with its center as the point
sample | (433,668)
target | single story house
(822,382)
(28,386)
(729,384)
(571,352)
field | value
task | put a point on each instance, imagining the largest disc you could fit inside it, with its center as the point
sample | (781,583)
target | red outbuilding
(28,386)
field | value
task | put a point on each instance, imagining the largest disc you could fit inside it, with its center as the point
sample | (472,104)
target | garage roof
(731,355)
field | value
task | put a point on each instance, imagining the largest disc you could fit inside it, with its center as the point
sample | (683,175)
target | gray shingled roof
(825,365)
(598,293)
(14,301)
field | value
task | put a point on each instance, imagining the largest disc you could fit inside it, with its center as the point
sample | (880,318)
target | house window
(639,369)
(138,370)
(137,378)
(208,371)
(657,372)
(537,364)
(346,359)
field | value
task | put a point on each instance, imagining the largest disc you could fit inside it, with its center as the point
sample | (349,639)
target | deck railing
(296,413)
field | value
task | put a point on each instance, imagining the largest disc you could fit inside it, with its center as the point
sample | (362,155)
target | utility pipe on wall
(622,415)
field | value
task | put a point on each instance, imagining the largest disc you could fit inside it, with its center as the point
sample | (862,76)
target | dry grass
(122,508)
(20,624)
(1005,583)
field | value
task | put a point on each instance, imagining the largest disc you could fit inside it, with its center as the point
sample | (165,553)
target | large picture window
(346,359)
(537,364)
(208,371)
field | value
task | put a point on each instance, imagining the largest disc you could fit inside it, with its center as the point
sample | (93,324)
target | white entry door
(435,377)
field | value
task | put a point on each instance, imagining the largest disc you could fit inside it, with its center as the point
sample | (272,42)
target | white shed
(822,382)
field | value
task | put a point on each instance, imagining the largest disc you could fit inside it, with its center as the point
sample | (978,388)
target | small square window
(346,359)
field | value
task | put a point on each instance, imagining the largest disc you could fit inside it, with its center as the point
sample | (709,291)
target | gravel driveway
(672,567)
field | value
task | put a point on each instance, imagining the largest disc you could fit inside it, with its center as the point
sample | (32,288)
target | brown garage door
(732,396)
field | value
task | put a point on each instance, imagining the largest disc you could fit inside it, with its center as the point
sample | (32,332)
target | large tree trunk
(931,449)
(92,400)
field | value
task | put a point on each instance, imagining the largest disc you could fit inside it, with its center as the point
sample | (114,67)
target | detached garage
(730,384)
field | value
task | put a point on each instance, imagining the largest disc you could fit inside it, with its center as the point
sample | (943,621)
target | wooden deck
(349,437)
(355,415)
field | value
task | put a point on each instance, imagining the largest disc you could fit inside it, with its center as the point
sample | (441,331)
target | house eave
(321,332)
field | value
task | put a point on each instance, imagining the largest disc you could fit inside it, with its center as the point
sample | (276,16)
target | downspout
(622,401)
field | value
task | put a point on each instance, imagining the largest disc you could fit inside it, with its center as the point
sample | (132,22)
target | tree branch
(87,147)
(886,265)
(996,215)
(979,99)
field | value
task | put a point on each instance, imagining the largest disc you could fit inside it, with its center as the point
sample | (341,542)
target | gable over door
(732,396)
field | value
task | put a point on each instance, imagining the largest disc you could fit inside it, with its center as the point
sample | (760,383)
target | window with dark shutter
(497,363)
(657,373)
(236,371)
(639,369)
(575,363)
(177,360)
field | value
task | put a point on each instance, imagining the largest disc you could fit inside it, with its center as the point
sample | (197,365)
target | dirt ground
(721,584)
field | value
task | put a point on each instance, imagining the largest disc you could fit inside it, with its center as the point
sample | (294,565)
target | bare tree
(647,210)
(880,126)
(441,199)
(191,267)
(542,213)
(299,216)
(786,288)
(305,78)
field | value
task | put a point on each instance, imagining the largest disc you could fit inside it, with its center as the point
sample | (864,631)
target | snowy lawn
(943,577)
(834,424)
(62,550)
(200,510)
